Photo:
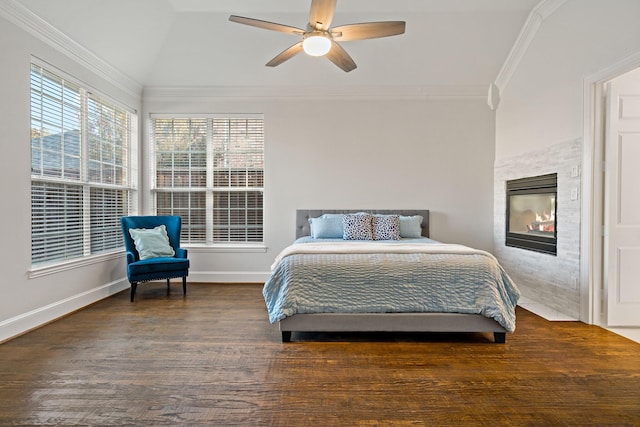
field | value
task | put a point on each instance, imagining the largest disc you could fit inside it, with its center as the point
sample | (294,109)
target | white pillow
(152,242)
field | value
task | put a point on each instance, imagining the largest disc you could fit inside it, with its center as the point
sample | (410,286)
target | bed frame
(383,322)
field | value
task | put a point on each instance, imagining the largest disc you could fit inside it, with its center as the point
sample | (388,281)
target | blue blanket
(345,277)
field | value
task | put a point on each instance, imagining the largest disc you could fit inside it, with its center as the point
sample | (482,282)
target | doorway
(610,292)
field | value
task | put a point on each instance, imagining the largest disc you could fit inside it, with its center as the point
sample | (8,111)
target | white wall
(355,152)
(542,105)
(26,302)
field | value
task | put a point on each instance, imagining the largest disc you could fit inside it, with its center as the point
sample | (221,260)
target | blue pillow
(411,226)
(327,226)
(358,227)
(152,242)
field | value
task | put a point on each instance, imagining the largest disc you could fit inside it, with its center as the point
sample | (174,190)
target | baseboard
(227,277)
(33,319)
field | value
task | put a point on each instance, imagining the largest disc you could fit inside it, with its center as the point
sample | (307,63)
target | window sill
(72,264)
(226,247)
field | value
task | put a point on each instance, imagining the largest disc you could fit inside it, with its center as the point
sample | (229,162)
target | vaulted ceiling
(193,43)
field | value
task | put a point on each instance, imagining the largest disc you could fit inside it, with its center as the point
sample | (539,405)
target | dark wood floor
(212,358)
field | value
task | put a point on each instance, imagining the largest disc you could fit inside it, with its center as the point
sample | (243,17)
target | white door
(622,201)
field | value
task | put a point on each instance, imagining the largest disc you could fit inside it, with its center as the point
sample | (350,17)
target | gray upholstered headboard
(304,229)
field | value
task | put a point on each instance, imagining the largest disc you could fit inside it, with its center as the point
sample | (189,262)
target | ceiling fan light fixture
(316,44)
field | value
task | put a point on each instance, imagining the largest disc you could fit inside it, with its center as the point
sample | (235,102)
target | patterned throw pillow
(386,227)
(357,227)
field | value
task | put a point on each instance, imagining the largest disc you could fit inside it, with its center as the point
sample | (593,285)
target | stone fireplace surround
(545,279)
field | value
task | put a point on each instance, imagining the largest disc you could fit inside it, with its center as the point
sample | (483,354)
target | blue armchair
(155,263)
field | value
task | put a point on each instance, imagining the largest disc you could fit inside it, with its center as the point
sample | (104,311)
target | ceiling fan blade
(285,55)
(267,25)
(340,57)
(321,14)
(368,30)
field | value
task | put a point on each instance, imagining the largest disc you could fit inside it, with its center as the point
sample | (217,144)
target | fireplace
(531,213)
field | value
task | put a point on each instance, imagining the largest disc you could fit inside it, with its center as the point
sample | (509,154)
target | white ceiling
(192,42)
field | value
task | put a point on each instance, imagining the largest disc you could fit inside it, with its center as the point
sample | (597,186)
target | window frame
(208,244)
(127,185)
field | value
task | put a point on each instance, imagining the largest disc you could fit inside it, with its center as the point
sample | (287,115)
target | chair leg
(134,285)
(168,287)
(184,285)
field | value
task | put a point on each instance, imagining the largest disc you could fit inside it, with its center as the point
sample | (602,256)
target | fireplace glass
(531,213)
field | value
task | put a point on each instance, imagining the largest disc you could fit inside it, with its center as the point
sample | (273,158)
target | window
(80,170)
(210,171)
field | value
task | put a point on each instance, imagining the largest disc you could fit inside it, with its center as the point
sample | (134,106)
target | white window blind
(210,171)
(80,170)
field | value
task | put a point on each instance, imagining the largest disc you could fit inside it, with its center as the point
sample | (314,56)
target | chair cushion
(157,265)
(152,242)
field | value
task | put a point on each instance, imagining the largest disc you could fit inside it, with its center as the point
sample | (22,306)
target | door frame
(592,293)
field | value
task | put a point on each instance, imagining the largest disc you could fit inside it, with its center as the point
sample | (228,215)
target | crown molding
(614,70)
(42,30)
(537,16)
(157,93)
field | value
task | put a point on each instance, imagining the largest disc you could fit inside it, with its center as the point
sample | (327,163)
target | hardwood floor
(212,358)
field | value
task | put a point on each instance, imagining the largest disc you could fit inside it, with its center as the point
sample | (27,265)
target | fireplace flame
(544,222)
(544,217)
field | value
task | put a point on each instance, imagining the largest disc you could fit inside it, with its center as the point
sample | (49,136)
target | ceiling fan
(319,39)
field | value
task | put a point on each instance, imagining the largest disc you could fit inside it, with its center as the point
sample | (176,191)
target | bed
(326,282)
